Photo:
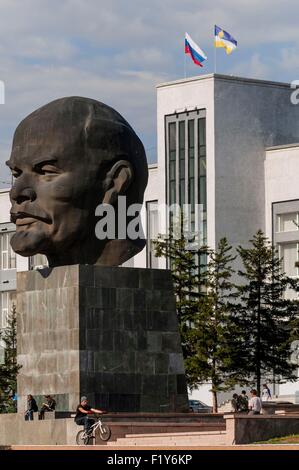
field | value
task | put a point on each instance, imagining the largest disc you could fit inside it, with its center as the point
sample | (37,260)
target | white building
(230,144)
(227,143)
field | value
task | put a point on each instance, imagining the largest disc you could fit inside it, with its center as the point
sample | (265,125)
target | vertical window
(289,255)
(181,162)
(7,255)
(186,133)
(4,251)
(288,252)
(172,163)
(12,255)
(7,299)
(152,233)
(191,169)
(202,174)
(4,309)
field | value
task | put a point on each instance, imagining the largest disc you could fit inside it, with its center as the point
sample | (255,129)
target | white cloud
(117,51)
(255,67)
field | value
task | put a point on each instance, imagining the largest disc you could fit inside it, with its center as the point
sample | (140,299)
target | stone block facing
(245,429)
(108,333)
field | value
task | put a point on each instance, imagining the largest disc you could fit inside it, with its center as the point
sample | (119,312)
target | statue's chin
(28,244)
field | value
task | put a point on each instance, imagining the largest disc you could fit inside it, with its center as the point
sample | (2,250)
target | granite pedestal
(108,333)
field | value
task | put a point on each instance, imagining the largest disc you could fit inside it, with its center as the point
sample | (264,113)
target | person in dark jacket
(243,402)
(31,407)
(49,406)
(82,412)
(235,403)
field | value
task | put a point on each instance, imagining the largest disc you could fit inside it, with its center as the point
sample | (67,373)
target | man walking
(255,403)
(266,394)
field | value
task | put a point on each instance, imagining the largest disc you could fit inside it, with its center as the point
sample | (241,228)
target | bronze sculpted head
(68,157)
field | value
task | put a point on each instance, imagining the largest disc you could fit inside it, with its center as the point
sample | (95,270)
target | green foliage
(204,298)
(10,368)
(232,334)
(187,278)
(265,315)
(215,351)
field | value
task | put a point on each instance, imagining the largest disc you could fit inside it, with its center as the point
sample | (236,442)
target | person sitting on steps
(49,406)
(31,408)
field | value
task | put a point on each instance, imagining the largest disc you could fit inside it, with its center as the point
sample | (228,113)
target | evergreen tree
(188,280)
(10,368)
(215,337)
(265,315)
(204,297)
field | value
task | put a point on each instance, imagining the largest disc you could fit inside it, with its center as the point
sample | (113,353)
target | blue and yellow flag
(224,39)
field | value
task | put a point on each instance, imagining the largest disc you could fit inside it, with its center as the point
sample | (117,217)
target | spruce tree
(265,314)
(204,299)
(215,337)
(10,368)
(187,275)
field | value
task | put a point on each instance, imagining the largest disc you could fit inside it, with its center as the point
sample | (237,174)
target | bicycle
(83,437)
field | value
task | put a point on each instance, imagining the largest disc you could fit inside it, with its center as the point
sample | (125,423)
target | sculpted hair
(114,142)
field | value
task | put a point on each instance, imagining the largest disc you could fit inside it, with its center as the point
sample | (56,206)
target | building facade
(229,144)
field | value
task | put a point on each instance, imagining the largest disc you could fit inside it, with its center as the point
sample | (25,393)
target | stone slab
(108,333)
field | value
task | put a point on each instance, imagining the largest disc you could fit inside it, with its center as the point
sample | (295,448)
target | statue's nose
(22,193)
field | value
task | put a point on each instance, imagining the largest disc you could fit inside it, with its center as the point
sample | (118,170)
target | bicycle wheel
(105,432)
(82,439)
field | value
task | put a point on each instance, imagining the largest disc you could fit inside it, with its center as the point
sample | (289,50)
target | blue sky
(117,51)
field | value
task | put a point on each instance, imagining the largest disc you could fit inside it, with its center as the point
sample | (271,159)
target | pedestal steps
(126,430)
(172,439)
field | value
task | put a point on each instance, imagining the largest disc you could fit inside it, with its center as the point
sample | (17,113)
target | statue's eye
(15,172)
(47,169)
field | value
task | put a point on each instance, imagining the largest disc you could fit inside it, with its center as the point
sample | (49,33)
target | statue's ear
(117,181)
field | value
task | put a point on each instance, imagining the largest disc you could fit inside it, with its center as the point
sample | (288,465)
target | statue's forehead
(33,141)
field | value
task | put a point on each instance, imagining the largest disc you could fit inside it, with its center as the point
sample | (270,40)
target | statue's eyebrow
(35,163)
(44,161)
(8,163)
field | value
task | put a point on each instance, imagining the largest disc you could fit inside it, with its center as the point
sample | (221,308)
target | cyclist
(82,412)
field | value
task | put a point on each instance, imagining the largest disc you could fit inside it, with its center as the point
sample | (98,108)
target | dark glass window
(182,162)
(202,177)
(187,179)
(172,162)
(191,170)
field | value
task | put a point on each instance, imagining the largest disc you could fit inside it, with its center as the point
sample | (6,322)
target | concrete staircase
(179,439)
(167,431)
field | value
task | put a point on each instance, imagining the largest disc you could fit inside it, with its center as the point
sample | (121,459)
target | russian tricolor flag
(198,56)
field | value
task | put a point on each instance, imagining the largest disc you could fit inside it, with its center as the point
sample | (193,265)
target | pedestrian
(255,403)
(31,407)
(49,406)
(235,403)
(13,400)
(266,394)
(82,412)
(243,402)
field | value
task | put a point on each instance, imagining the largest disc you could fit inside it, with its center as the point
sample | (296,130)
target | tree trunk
(258,346)
(215,402)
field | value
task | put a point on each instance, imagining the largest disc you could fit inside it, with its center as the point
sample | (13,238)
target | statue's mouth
(24,218)
(25,221)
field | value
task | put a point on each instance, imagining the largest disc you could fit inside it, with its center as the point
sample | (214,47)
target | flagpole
(185,64)
(215,59)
